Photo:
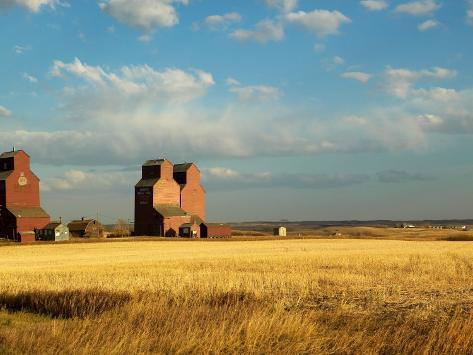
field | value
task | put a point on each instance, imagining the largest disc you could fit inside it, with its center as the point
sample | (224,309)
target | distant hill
(268,225)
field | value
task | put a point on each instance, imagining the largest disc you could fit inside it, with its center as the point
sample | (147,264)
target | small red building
(215,230)
(190,230)
(20,208)
(85,228)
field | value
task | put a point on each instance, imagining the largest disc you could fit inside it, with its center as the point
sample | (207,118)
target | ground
(308,295)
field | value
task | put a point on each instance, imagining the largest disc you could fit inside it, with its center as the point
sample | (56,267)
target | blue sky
(320,110)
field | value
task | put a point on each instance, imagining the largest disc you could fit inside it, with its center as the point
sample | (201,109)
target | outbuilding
(189,230)
(280,231)
(85,228)
(215,230)
(54,231)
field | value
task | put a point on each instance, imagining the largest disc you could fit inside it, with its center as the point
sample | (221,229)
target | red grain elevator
(168,197)
(192,200)
(20,208)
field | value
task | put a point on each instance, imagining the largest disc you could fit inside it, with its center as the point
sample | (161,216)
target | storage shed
(189,230)
(54,231)
(215,230)
(85,228)
(26,237)
(280,231)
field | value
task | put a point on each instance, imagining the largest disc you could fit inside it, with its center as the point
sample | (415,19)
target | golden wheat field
(273,296)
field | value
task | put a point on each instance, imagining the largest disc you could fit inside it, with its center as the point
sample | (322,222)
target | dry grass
(291,296)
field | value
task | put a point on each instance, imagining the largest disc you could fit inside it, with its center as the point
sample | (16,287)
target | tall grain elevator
(20,208)
(167,198)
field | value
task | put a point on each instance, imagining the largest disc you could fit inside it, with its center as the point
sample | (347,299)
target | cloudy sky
(293,109)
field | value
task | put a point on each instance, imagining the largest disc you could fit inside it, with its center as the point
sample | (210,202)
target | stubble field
(272,296)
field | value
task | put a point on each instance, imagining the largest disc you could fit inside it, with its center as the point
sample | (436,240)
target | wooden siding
(166,191)
(193,194)
(215,231)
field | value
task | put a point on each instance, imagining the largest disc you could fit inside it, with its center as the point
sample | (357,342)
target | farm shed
(189,230)
(85,228)
(20,208)
(215,230)
(26,237)
(54,231)
(27,220)
(280,231)
(170,218)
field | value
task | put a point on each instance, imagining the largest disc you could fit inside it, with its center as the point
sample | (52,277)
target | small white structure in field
(280,231)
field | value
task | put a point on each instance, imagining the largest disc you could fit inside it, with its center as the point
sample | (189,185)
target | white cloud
(338,60)
(145,15)
(4,112)
(116,135)
(117,117)
(257,92)
(282,5)
(30,5)
(356,121)
(423,111)
(427,25)
(356,75)
(30,78)
(429,120)
(418,8)
(333,63)
(219,22)
(441,110)
(220,172)
(77,180)
(263,32)
(321,22)
(232,81)
(141,83)
(400,81)
(374,5)
(145,38)
(439,73)
(436,94)
(71,180)
(21,49)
